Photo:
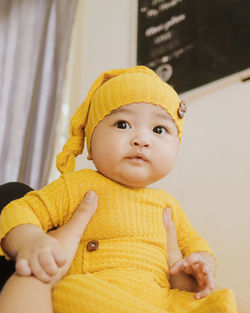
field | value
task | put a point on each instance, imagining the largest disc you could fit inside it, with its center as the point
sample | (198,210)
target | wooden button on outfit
(93,245)
(182,109)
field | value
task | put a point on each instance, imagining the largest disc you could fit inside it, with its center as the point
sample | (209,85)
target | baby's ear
(89,157)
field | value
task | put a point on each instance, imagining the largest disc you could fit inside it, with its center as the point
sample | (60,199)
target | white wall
(108,34)
(211,178)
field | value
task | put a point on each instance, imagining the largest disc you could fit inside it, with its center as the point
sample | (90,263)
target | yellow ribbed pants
(131,291)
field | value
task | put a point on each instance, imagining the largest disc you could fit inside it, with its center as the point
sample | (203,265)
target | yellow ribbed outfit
(128,272)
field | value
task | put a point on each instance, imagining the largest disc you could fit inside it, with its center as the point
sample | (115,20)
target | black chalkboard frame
(192,43)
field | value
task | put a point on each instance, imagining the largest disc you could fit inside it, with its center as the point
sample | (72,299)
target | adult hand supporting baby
(47,256)
(69,235)
(198,265)
(31,294)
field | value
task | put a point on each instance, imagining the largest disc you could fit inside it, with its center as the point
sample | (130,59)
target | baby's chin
(139,178)
(133,181)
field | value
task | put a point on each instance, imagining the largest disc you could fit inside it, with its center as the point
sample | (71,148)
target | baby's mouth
(139,157)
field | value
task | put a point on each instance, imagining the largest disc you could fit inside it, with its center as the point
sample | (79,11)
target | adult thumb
(69,235)
(82,215)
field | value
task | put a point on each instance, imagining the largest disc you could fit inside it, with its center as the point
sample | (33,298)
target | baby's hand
(201,266)
(41,256)
(49,256)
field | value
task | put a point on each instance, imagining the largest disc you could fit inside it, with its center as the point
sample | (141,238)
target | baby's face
(135,145)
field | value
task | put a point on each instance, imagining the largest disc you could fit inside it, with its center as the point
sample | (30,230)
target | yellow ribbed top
(131,261)
(127,220)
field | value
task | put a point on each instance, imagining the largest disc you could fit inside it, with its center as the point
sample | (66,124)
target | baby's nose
(141,142)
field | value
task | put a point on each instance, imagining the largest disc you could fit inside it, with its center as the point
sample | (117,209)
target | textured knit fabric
(129,272)
(111,90)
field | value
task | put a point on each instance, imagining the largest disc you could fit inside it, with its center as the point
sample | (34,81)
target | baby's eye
(122,125)
(160,130)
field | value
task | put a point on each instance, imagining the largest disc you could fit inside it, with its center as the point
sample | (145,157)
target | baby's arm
(36,252)
(32,295)
(24,223)
(194,273)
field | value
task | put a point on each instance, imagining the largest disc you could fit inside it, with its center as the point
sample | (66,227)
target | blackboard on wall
(190,43)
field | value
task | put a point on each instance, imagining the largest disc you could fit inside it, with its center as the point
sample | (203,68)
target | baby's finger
(190,269)
(204,274)
(207,281)
(38,271)
(201,268)
(23,267)
(192,259)
(205,268)
(48,263)
(177,267)
(59,256)
(203,293)
(210,281)
(197,273)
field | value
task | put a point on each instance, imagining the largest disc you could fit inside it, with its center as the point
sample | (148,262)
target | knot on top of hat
(65,161)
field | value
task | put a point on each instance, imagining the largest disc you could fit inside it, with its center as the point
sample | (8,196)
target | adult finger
(69,235)
(79,220)
(173,251)
(170,229)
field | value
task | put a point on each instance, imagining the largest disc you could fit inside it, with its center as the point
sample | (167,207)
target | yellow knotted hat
(111,90)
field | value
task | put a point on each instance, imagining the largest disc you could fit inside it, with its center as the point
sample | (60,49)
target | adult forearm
(18,237)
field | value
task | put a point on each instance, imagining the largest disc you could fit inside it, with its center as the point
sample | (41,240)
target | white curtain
(34,44)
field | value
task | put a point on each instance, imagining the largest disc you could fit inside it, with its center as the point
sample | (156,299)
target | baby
(133,124)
